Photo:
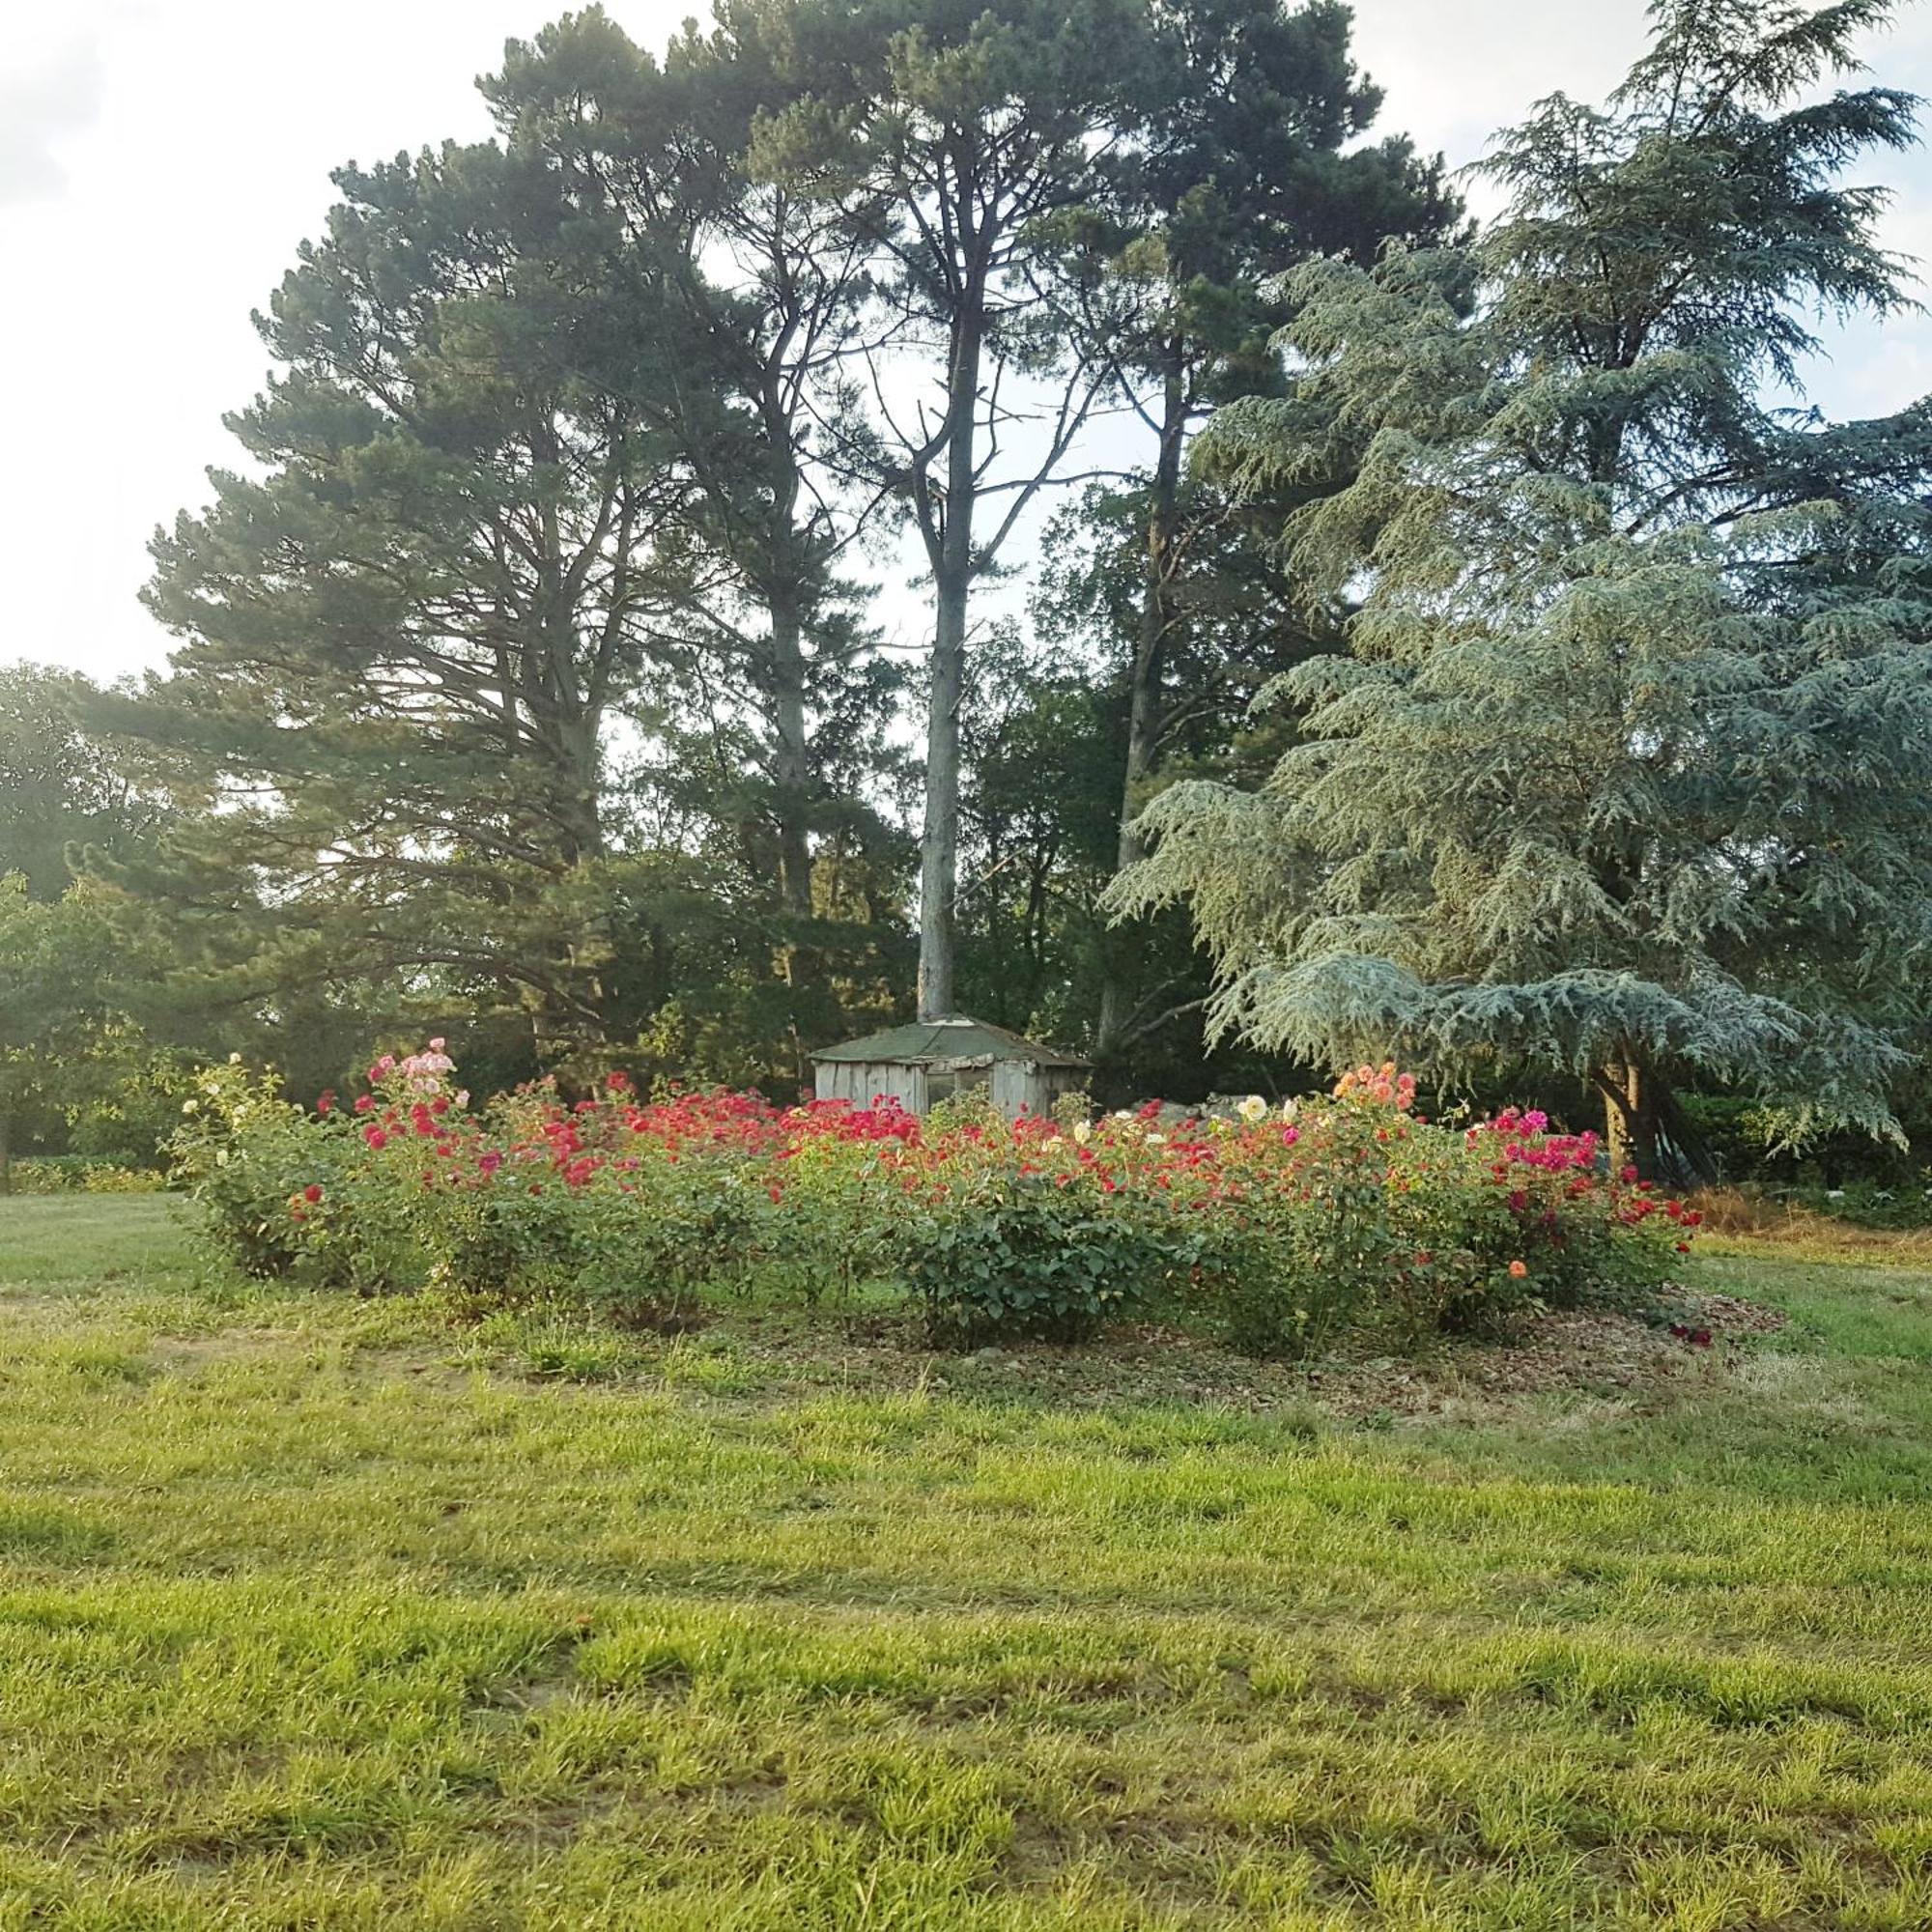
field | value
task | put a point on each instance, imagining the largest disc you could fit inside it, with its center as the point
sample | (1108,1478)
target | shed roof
(961,1038)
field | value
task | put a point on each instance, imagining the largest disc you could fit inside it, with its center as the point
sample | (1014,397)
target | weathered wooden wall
(1016,1085)
(862,1082)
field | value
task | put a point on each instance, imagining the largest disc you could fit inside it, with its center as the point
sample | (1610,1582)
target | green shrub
(279,1187)
(1303,1237)
(83,1174)
(109,1177)
(1021,1255)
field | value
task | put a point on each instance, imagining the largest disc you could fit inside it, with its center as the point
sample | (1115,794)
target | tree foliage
(1471,636)
(61,791)
(1622,774)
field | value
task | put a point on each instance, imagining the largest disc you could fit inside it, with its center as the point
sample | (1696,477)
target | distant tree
(1044,727)
(60,791)
(1038,744)
(1625,775)
(57,986)
(1235,617)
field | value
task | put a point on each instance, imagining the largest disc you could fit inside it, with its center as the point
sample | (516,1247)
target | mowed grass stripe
(309,1617)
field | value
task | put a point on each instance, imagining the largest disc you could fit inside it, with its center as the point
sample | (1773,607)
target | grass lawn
(314,1613)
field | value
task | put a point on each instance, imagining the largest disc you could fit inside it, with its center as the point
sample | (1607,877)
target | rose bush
(243,1153)
(1275,1228)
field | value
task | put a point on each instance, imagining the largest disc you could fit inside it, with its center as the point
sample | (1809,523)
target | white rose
(1254,1108)
(191,1106)
(1082,1132)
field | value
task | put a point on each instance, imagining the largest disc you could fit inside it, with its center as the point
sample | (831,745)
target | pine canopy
(1625,773)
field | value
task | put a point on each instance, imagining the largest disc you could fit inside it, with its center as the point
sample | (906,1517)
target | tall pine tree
(959,137)
(1625,775)
(1248,158)
(744,298)
(405,634)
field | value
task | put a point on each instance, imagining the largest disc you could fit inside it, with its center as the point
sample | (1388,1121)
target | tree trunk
(952,583)
(791,771)
(1144,688)
(1630,1093)
(582,953)
(788,579)
(6,1149)
(791,761)
(939,836)
(580,772)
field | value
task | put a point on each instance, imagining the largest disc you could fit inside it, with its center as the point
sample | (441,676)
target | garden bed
(1278,1231)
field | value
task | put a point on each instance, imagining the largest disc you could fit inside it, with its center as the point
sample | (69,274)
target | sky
(160,160)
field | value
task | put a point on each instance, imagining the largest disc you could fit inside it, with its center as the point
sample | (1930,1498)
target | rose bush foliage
(1276,1228)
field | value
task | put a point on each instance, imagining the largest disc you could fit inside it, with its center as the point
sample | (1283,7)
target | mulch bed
(1584,1354)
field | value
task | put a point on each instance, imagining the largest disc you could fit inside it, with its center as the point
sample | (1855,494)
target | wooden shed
(933,1060)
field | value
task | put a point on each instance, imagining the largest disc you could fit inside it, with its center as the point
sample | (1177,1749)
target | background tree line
(1516,677)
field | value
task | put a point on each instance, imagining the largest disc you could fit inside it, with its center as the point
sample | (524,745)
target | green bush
(83,1174)
(1020,1255)
(1306,1239)
(249,1158)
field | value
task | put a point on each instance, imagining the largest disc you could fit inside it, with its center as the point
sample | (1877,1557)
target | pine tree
(405,634)
(959,137)
(1625,775)
(1248,158)
(751,296)
(521,665)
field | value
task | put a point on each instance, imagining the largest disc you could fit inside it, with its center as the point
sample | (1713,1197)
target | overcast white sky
(159,159)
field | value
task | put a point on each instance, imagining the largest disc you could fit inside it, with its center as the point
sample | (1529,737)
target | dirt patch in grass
(1686,1341)
(190,1354)
(754,1358)
(1581,1353)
